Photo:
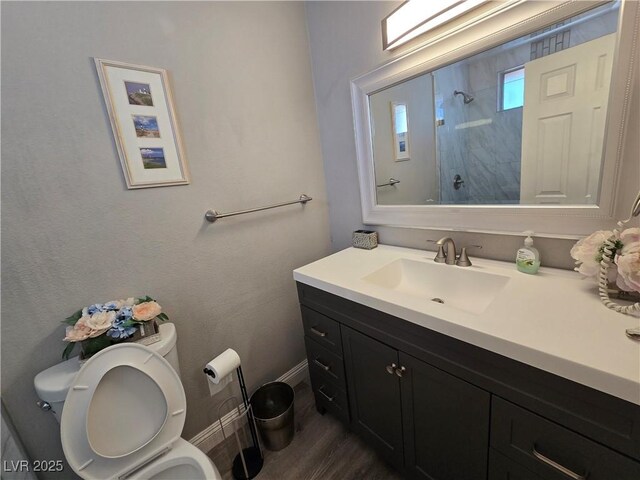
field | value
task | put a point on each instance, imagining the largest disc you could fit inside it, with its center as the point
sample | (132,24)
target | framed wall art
(141,111)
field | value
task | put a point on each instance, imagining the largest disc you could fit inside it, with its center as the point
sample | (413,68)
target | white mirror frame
(492,26)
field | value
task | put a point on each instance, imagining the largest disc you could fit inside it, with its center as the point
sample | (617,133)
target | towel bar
(213,215)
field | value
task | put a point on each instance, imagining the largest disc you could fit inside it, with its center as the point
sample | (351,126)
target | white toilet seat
(124,413)
(183,462)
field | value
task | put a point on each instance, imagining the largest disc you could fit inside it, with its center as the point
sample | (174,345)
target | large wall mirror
(510,120)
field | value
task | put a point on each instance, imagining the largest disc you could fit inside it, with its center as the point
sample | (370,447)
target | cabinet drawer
(325,363)
(322,329)
(330,397)
(552,451)
(502,468)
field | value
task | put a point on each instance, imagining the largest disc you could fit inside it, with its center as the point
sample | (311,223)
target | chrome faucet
(446,251)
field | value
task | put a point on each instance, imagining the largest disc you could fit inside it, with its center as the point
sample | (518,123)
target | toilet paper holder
(248,462)
(250,459)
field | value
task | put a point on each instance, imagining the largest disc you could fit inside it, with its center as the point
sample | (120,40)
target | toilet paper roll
(223,365)
(215,388)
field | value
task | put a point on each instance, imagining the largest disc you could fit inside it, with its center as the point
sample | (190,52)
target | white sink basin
(462,288)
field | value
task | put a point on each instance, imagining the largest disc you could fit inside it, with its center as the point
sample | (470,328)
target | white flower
(129,302)
(97,333)
(100,321)
(588,269)
(629,267)
(587,251)
(77,333)
(630,236)
(631,247)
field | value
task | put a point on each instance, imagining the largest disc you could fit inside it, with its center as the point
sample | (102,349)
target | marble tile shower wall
(451,146)
(477,142)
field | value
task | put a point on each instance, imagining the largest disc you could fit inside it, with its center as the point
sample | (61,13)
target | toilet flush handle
(46,406)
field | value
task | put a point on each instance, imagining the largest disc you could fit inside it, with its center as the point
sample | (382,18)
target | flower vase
(91,346)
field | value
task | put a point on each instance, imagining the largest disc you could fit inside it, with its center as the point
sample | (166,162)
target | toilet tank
(53,383)
(167,345)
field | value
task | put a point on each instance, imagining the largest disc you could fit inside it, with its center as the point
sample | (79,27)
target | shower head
(467,98)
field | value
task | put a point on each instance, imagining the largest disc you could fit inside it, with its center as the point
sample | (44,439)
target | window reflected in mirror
(511,89)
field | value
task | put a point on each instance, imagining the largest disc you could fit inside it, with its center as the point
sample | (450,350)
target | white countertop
(553,320)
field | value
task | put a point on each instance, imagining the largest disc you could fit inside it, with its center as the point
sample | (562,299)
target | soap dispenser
(528,257)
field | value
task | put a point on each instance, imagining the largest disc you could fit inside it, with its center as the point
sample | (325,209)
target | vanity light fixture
(415,17)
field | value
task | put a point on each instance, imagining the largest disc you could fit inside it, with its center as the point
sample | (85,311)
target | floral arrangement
(103,324)
(624,270)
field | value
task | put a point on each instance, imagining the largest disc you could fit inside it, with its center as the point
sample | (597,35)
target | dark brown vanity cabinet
(438,408)
(419,418)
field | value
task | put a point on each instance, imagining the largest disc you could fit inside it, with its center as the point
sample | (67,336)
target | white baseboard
(296,375)
(211,436)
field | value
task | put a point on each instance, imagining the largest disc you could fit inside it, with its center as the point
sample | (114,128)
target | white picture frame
(142,115)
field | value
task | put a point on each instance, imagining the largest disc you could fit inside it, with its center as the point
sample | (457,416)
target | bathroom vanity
(513,377)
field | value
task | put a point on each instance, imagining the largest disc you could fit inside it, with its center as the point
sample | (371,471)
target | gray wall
(72,234)
(417,174)
(345,42)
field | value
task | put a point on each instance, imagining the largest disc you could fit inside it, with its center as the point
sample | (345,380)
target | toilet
(122,412)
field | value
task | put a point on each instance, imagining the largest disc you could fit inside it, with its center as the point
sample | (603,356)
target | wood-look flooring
(322,449)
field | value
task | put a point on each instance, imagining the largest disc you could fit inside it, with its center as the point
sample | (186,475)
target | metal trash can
(272,406)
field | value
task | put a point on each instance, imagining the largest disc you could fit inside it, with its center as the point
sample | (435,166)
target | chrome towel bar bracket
(213,215)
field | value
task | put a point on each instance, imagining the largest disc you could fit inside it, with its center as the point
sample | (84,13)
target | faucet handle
(463,260)
(440,256)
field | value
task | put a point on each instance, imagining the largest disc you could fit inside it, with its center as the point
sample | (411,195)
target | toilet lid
(125,407)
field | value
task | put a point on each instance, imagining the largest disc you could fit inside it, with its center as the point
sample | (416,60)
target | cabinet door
(374,393)
(446,424)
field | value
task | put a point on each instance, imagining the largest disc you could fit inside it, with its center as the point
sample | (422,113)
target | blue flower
(95,308)
(119,331)
(111,305)
(125,313)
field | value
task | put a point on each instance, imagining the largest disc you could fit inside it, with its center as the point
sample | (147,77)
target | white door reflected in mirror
(563,123)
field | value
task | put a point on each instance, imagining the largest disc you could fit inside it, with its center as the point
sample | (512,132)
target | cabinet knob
(391,368)
(400,371)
